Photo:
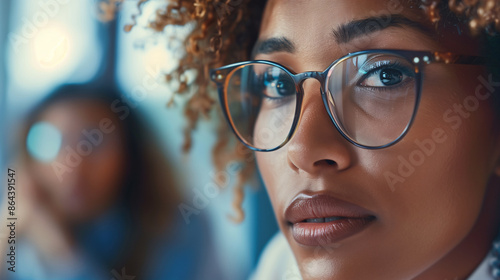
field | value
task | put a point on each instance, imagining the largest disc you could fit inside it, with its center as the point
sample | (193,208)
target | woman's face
(84,178)
(409,207)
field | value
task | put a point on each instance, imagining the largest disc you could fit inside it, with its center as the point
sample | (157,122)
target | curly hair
(224,32)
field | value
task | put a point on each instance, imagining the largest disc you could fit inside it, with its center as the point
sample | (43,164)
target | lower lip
(316,234)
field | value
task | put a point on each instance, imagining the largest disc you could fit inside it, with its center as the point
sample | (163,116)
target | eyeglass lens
(371,97)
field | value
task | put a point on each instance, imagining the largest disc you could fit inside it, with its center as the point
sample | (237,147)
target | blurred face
(86,174)
(409,211)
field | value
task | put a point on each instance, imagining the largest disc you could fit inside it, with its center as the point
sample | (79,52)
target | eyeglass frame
(417,58)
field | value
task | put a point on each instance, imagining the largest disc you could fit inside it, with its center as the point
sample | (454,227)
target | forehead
(75,113)
(313,14)
(311,26)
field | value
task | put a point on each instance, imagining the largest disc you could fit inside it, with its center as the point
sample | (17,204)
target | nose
(317,146)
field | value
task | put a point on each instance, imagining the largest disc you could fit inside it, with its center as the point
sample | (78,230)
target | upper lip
(306,206)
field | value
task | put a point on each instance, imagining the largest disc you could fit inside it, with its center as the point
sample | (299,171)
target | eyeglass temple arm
(450,58)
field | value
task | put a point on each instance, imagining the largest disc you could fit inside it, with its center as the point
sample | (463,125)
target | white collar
(278,262)
(483,271)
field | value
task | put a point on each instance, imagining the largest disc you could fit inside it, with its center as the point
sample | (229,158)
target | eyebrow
(279,44)
(346,32)
(363,27)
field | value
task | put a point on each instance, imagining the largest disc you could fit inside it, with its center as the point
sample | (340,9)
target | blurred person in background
(97,199)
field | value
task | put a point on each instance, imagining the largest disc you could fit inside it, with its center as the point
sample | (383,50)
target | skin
(52,207)
(92,185)
(440,221)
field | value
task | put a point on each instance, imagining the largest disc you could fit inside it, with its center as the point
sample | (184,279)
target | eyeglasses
(371,96)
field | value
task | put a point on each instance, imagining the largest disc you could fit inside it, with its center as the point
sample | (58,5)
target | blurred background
(46,44)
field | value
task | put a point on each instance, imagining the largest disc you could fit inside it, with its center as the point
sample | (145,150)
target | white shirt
(278,263)
(483,271)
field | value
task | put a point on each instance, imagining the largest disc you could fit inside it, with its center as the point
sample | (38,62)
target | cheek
(434,180)
(271,167)
(267,166)
(47,179)
(107,172)
(448,148)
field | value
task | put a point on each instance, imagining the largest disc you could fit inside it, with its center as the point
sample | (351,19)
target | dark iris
(391,77)
(282,83)
(285,87)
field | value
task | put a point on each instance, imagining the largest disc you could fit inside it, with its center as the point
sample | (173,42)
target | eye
(383,77)
(277,83)
(385,74)
(391,77)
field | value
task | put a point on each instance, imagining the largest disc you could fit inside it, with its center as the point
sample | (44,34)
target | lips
(322,219)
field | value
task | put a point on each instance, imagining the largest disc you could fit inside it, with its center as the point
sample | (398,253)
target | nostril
(330,162)
(325,162)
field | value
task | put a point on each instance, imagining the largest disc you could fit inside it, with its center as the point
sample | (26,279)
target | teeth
(331,219)
(323,220)
(316,220)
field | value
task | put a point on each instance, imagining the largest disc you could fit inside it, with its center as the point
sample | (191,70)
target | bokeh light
(44,141)
(51,46)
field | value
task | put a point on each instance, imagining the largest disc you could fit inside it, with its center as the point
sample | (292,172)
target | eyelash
(385,64)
